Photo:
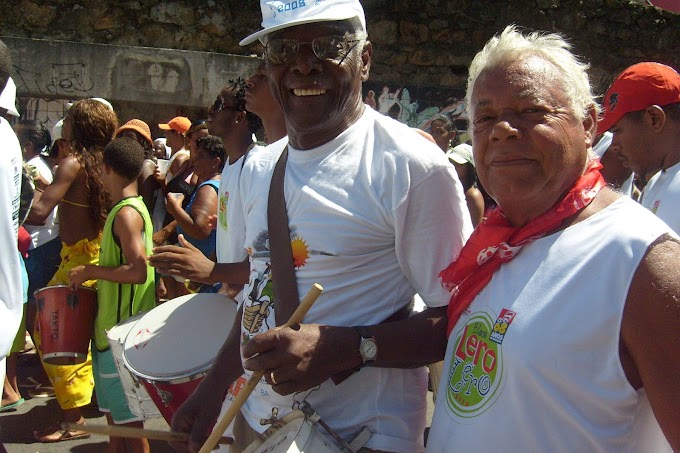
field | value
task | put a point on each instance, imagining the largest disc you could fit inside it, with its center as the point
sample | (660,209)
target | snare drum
(297,436)
(173,346)
(66,319)
(139,401)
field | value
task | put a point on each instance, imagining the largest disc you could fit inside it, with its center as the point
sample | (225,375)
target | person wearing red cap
(175,133)
(642,110)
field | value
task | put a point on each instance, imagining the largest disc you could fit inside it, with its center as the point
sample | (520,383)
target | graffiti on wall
(64,80)
(416,106)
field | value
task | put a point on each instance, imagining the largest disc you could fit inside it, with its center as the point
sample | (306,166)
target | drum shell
(66,319)
(172,347)
(297,436)
(169,396)
(139,401)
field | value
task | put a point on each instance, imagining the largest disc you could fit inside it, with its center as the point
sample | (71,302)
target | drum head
(119,332)
(180,338)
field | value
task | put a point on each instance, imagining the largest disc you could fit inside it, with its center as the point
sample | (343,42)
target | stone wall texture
(416,42)
(425,45)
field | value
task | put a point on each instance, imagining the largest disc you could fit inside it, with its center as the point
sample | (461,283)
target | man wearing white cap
(11,298)
(374,211)
(8,99)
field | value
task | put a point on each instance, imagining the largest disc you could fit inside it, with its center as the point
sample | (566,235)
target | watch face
(368,349)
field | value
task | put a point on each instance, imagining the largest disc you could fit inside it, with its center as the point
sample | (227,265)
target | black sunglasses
(220,105)
(333,47)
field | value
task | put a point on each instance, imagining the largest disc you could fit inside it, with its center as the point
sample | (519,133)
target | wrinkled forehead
(530,78)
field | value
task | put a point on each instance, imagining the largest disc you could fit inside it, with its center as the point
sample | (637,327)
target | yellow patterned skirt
(72,384)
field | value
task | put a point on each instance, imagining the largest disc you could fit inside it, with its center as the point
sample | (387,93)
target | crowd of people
(543,254)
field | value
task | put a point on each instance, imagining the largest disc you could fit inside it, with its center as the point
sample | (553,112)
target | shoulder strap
(286,297)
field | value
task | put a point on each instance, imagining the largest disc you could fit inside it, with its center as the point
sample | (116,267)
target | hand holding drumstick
(296,318)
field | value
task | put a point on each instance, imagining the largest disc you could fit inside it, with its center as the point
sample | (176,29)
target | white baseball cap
(56,131)
(277,14)
(461,154)
(102,100)
(8,98)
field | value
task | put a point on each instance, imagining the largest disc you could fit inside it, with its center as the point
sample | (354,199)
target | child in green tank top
(125,281)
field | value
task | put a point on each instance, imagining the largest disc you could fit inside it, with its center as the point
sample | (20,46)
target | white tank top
(533,364)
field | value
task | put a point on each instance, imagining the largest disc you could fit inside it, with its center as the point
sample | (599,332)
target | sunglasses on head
(333,47)
(220,105)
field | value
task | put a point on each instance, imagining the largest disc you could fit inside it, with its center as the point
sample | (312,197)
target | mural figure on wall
(418,111)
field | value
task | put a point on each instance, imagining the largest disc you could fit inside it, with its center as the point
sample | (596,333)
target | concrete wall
(421,48)
(155,84)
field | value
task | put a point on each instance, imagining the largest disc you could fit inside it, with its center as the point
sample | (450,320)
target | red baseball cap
(179,124)
(638,87)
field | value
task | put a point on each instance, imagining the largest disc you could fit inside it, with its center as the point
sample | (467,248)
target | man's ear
(366,54)
(590,125)
(655,117)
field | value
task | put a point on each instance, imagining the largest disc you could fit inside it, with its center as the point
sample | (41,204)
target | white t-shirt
(662,196)
(11,297)
(42,234)
(533,365)
(374,216)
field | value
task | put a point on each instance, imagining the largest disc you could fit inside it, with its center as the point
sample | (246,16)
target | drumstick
(136,433)
(296,318)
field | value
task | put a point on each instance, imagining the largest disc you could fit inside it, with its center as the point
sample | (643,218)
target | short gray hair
(511,45)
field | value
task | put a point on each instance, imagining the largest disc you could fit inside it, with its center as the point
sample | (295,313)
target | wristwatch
(368,348)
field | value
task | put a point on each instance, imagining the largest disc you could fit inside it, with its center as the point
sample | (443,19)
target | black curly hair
(214,147)
(238,89)
(35,132)
(125,156)
(93,127)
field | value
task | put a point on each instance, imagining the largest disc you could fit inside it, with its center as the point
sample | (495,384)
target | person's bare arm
(128,226)
(303,358)
(147,183)
(178,164)
(44,202)
(650,343)
(204,206)
(189,262)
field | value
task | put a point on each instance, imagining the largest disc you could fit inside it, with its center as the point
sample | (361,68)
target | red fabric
(495,241)
(24,241)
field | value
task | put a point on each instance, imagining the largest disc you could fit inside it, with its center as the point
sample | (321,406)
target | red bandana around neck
(495,241)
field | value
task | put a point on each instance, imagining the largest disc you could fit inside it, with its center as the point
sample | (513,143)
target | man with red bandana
(563,321)
(374,212)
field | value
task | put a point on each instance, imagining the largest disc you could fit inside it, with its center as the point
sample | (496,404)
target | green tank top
(120,301)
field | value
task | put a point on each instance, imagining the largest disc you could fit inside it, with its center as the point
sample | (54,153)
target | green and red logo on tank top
(476,373)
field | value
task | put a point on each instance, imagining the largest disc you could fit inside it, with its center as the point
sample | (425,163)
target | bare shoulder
(649,333)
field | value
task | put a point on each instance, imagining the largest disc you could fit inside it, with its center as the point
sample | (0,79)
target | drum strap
(286,297)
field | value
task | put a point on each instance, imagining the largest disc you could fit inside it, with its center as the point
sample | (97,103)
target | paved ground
(16,427)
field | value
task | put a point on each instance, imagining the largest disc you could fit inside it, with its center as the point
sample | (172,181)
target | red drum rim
(174,380)
(46,288)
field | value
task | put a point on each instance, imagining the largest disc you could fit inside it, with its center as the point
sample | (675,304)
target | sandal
(57,434)
(14,405)
(41,391)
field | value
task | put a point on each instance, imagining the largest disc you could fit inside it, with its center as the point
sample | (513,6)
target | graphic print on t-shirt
(475,377)
(223,202)
(258,308)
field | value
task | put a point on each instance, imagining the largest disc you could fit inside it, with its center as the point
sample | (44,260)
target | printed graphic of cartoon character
(260,297)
